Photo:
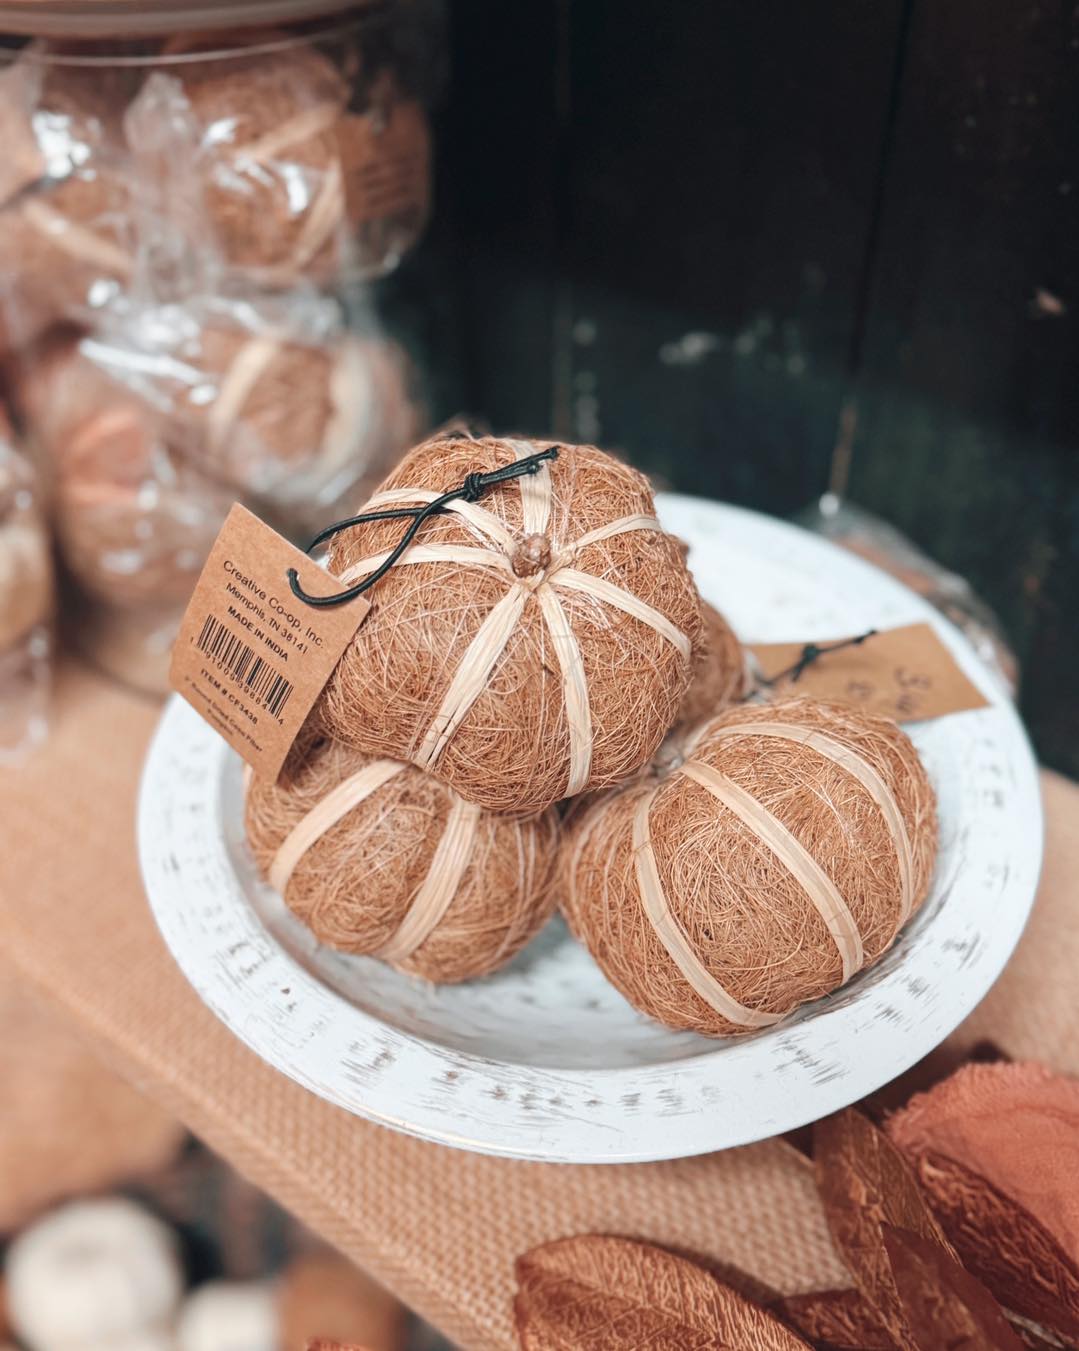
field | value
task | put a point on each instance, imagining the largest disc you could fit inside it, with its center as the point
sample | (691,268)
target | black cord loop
(811,653)
(471,490)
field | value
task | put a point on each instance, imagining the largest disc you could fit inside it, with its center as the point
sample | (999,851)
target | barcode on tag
(238,660)
(252,656)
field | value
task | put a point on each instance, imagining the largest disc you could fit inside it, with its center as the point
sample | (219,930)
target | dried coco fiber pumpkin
(526,647)
(134,519)
(134,522)
(254,135)
(719,671)
(778,859)
(61,114)
(288,181)
(291,421)
(376,857)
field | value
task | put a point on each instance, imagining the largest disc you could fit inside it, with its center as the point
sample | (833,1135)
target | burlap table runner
(67,1124)
(439,1227)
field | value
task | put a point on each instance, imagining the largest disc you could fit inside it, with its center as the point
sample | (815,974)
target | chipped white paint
(544,1060)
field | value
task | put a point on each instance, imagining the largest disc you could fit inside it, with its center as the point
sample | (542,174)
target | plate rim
(577,1143)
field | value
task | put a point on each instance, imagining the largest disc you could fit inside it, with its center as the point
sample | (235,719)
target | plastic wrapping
(179,217)
(210,164)
(133,521)
(26,607)
(281,405)
(281,168)
(66,233)
(149,429)
(875,540)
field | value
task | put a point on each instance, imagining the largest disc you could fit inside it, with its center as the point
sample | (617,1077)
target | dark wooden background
(697,232)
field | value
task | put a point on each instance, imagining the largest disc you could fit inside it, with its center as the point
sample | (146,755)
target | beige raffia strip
(625,525)
(471,675)
(311,122)
(243,374)
(537,492)
(326,814)
(440,885)
(574,689)
(866,775)
(352,404)
(76,240)
(481,520)
(602,590)
(537,501)
(802,866)
(673,937)
(322,217)
(430,553)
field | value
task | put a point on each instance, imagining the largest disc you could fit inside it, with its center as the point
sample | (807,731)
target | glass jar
(150,428)
(211,164)
(180,217)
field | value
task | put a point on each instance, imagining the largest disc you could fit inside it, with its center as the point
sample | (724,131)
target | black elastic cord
(812,652)
(471,490)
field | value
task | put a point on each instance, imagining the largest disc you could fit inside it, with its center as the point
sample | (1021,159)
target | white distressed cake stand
(544,1060)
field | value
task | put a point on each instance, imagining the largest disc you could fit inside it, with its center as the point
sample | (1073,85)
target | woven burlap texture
(68,1123)
(439,1227)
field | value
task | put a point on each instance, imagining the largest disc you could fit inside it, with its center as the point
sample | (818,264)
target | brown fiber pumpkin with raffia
(780,855)
(528,646)
(376,857)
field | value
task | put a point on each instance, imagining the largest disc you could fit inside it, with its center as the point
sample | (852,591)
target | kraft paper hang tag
(905,673)
(250,657)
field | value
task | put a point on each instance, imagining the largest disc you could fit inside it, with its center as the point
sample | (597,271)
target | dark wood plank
(722,182)
(674,229)
(493,241)
(969,404)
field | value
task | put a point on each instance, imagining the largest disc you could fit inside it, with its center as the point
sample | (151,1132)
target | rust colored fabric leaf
(865,1182)
(1015,1125)
(593,1293)
(835,1320)
(945,1305)
(1004,1245)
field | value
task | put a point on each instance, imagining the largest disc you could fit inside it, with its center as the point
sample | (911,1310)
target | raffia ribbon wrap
(376,857)
(526,647)
(776,861)
(286,179)
(262,172)
(296,421)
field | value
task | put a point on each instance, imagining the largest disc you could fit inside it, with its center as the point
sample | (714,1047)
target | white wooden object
(544,1060)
